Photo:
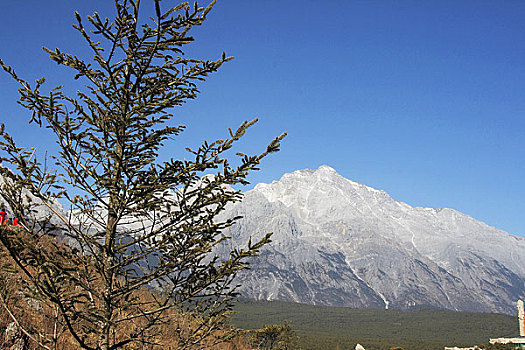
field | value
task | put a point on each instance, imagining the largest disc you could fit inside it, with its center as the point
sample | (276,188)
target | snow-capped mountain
(338,242)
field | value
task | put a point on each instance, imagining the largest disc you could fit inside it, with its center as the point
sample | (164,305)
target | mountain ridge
(372,189)
(339,242)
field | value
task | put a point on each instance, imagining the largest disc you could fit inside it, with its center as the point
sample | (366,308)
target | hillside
(38,319)
(341,243)
(323,327)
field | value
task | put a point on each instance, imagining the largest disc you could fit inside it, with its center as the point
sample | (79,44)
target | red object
(3,221)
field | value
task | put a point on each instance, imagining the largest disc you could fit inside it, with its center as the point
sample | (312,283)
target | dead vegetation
(29,321)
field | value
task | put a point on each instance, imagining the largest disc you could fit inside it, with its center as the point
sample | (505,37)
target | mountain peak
(340,242)
(326,169)
(323,170)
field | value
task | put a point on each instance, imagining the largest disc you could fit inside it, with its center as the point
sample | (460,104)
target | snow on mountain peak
(339,242)
(322,196)
(321,182)
(326,169)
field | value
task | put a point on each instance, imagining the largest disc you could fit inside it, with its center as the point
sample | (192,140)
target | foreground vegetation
(266,325)
(135,219)
(26,319)
(321,327)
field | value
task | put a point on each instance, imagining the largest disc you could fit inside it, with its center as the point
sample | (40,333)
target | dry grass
(40,319)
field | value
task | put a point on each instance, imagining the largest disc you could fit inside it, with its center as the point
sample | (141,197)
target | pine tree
(274,337)
(136,223)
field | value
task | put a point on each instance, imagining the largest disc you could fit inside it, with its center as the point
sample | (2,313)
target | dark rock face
(337,242)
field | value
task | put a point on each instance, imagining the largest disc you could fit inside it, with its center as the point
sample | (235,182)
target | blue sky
(423,99)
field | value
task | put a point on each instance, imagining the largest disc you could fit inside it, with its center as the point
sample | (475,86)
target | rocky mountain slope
(341,243)
(338,242)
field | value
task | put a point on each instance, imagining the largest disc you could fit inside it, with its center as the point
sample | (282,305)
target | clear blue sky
(423,99)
